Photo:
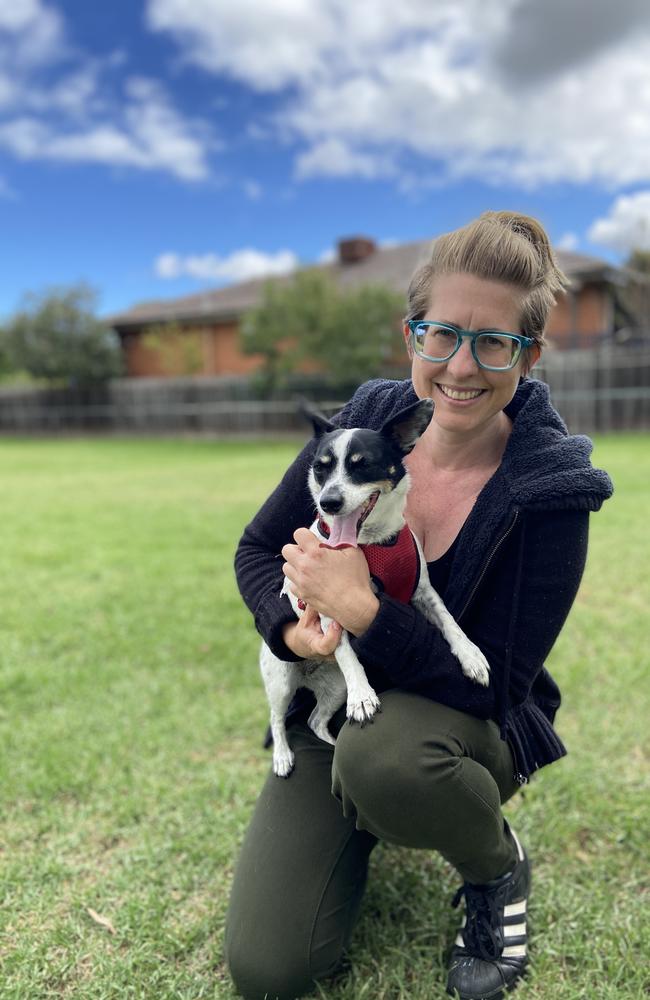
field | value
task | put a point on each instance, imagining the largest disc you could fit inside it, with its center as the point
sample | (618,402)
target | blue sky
(156,148)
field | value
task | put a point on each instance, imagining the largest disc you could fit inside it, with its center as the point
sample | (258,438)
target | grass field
(131,716)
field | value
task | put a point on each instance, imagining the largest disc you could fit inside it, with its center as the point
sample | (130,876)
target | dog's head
(358,479)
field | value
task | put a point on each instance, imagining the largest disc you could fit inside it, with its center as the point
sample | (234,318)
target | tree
(347,335)
(633,299)
(6,363)
(56,336)
(177,351)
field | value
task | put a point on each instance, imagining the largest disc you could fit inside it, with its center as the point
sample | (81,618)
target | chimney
(355,248)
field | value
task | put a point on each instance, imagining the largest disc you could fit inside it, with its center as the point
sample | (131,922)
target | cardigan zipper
(520,778)
(495,549)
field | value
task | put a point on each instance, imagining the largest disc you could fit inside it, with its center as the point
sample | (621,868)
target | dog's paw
(361,709)
(283,763)
(473,663)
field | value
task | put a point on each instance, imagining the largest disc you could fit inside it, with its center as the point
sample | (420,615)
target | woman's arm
(258,563)
(414,655)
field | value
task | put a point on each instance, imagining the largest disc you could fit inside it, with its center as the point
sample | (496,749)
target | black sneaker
(489,955)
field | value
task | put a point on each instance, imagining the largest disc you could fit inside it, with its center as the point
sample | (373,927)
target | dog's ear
(405,427)
(320,423)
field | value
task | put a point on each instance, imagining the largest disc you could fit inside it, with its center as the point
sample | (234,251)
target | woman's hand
(335,582)
(305,637)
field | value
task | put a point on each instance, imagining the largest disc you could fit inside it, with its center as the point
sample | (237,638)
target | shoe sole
(501,992)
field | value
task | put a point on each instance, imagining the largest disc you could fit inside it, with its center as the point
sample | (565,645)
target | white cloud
(57,104)
(150,136)
(265,45)
(335,158)
(626,226)
(437,90)
(568,241)
(31,33)
(462,122)
(237,266)
(271,46)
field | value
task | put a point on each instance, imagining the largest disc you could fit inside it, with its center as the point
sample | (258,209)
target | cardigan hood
(543,465)
(543,468)
(546,467)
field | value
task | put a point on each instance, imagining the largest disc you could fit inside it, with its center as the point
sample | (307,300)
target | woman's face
(473,304)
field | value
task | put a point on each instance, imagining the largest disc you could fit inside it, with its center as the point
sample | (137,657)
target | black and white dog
(359,485)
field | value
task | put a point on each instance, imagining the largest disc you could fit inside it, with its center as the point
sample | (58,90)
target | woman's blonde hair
(498,246)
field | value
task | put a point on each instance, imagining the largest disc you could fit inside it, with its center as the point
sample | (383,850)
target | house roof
(389,266)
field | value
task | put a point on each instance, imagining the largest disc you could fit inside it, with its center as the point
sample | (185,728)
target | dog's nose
(331,502)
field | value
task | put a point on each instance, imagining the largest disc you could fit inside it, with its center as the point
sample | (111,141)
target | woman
(500,499)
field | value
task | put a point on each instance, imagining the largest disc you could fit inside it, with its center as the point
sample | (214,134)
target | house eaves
(390,267)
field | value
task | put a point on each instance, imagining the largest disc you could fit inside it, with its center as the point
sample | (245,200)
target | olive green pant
(422,775)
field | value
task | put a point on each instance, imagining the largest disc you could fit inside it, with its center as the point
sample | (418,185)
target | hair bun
(534,233)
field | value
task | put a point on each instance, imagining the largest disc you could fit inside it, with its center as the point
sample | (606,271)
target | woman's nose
(463,365)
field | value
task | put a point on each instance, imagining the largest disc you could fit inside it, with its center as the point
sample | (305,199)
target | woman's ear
(533,355)
(407,338)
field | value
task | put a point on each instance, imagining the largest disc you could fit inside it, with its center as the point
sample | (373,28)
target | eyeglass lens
(491,349)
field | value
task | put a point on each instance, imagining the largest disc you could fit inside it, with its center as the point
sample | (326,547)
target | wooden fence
(595,391)
(599,391)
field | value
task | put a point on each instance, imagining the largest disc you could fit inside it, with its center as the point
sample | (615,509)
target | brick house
(199,334)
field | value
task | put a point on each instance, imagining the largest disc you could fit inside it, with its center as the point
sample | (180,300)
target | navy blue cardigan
(513,578)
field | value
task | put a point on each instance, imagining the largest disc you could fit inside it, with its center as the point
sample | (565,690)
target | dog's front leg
(473,663)
(362,701)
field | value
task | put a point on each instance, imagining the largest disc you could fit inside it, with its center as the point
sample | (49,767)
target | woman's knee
(263,974)
(279,951)
(389,756)
(399,785)
(364,760)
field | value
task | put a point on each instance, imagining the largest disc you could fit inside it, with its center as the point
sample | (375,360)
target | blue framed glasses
(491,349)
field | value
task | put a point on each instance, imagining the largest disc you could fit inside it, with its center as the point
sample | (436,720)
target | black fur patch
(379,460)
(325,461)
(376,458)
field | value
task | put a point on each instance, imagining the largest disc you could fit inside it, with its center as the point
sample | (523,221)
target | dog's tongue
(343,531)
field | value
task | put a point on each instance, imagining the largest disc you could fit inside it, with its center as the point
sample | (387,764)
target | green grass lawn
(131,717)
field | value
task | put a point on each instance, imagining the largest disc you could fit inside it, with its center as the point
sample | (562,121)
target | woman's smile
(459,394)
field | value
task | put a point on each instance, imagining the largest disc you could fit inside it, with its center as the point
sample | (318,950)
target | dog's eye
(356,459)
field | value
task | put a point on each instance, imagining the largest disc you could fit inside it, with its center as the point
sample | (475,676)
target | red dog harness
(394,566)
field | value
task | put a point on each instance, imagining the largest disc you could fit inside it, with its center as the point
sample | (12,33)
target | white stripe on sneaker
(514,909)
(514,951)
(514,930)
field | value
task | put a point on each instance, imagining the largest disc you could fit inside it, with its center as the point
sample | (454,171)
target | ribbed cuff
(388,636)
(271,616)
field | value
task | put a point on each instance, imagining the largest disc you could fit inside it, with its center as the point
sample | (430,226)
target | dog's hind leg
(281,682)
(328,685)
(283,758)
